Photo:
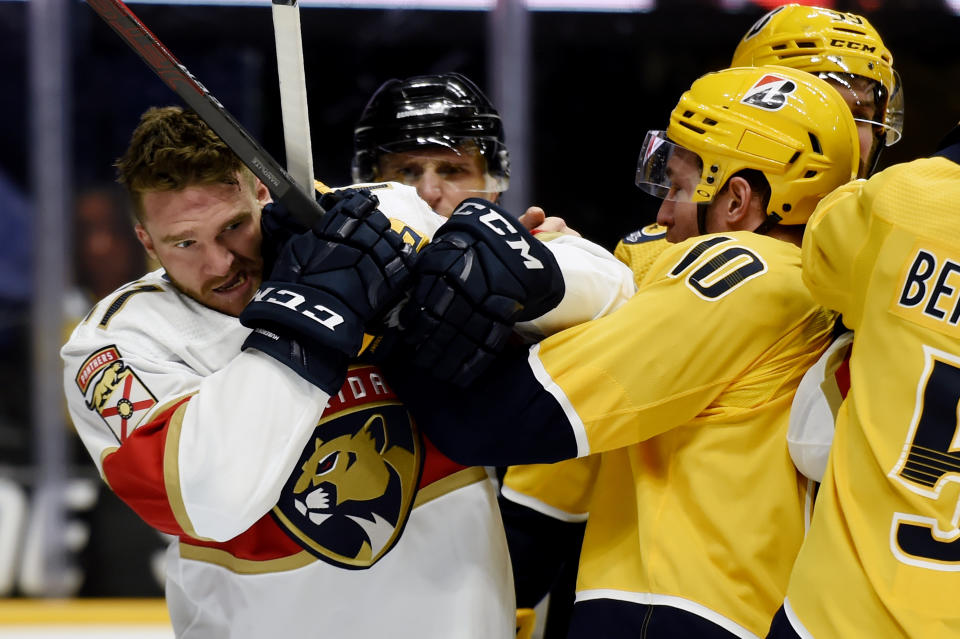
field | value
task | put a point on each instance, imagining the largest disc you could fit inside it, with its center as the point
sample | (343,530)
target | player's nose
(665,214)
(430,188)
(219,258)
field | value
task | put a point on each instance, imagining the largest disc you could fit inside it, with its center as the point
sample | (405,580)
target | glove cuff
(323,367)
(309,313)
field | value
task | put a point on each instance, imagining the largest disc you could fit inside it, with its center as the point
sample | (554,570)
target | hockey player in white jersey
(304,500)
(440,134)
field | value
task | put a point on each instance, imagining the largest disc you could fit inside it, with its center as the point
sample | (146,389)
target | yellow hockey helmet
(789,125)
(830,44)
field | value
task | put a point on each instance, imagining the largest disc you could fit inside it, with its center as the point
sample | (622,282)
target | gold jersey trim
(224,559)
(245,566)
(171,467)
(449,484)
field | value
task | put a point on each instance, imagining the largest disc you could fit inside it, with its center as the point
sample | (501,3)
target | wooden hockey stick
(293,92)
(176,76)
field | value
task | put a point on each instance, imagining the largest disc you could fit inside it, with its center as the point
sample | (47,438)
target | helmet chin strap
(772,220)
(874,160)
(702,218)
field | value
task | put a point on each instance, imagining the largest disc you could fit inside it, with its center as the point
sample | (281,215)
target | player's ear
(741,211)
(263,193)
(146,240)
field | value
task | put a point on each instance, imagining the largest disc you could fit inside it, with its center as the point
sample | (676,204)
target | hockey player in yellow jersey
(846,51)
(698,511)
(843,49)
(881,558)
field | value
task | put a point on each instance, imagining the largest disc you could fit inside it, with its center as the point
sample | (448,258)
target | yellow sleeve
(663,358)
(833,238)
(640,249)
(561,490)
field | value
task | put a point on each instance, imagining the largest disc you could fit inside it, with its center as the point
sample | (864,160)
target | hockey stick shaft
(176,76)
(293,92)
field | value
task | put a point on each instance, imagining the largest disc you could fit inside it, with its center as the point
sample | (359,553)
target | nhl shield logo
(353,487)
(649,233)
(769,92)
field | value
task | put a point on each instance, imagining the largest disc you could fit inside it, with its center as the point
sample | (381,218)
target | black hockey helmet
(444,110)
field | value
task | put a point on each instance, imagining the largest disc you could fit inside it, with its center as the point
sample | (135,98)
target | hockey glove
(277,227)
(328,284)
(481,273)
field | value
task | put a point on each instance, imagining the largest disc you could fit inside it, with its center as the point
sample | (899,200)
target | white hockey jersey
(813,415)
(297,514)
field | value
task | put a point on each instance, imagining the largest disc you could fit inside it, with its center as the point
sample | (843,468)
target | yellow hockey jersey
(562,490)
(639,249)
(692,379)
(882,558)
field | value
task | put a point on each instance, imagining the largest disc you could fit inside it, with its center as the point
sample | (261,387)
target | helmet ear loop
(771,221)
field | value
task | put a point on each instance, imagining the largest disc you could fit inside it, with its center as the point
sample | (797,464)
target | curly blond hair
(171,149)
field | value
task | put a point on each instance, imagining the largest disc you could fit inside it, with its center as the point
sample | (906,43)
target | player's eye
(232,226)
(451,169)
(328,463)
(184,244)
(679,191)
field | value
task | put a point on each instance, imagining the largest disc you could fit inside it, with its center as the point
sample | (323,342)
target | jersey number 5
(931,460)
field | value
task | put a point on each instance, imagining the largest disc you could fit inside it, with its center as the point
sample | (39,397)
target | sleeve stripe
(541,507)
(550,386)
(171,470)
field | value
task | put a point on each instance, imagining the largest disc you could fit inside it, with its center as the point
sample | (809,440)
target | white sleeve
(813,414)
(220,460)
(596,284)
(408,213)
(241,436)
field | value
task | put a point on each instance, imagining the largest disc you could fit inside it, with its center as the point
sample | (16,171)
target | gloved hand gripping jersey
(481,273)
(328,285)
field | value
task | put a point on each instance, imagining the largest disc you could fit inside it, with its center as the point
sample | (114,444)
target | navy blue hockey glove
(277,227)
(481,273)
(328,285)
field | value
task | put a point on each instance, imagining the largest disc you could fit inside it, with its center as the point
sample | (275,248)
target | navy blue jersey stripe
(504,418)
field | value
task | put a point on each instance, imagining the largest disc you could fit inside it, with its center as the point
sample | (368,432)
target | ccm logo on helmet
(847,44)
(499,225)
(293,301)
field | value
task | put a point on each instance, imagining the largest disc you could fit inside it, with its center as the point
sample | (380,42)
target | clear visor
(870,103)
(671,172)
(453,163)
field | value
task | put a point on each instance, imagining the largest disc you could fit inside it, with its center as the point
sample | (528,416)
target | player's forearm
(241,436)
(596,284)
(505,417)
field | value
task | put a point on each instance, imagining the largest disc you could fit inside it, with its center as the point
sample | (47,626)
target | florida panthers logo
(113,390)
(352,490)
